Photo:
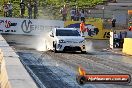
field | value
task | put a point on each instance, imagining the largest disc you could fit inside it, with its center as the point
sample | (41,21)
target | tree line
(78,3)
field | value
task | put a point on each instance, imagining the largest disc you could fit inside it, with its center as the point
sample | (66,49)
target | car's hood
(70,38)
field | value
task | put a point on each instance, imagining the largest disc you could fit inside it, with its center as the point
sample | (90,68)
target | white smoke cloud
(89,46)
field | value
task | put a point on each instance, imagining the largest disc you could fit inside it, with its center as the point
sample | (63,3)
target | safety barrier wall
(127,46)
(12,72)
(4,83)
(28,26)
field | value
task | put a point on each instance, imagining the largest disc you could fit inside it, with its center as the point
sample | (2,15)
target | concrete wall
(127,46)
(12,72)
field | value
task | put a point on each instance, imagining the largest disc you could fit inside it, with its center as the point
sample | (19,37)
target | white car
(65,39)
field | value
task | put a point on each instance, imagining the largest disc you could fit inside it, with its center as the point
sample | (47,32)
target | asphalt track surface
(59,70)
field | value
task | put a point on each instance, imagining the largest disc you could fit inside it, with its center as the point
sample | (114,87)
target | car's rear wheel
(54,45)
(55,49)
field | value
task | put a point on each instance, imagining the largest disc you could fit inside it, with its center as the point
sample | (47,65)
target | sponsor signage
(27,26)
(93,29)
(83,78)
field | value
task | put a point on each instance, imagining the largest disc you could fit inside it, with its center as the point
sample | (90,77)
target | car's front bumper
(70,47)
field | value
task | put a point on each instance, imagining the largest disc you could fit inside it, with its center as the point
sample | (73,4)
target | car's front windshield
(67,32)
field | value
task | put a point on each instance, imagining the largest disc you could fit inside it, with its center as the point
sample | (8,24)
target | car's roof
(66,29)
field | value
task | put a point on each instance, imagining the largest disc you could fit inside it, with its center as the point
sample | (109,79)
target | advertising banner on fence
(93,29)
(27,26)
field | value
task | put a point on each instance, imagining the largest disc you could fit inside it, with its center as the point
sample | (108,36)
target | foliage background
(50,9)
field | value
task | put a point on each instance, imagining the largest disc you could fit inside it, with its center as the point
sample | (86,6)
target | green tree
(53,6)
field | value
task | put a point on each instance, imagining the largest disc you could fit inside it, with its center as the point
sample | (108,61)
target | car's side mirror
(51,34)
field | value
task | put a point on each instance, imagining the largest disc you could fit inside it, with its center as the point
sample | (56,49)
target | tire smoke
(41,45)
(89,46)
(38,42)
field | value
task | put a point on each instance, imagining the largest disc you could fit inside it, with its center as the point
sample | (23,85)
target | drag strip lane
(117,65)
(45,72)
(60,69)
(93,66)
(65,71)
